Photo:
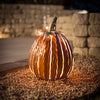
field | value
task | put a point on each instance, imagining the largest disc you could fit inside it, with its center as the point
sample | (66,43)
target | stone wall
(23,20)
(94,34)
(83,29)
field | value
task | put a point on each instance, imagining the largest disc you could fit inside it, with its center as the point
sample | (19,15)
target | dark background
(90,5)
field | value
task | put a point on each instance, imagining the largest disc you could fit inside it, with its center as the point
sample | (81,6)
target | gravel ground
(84,81)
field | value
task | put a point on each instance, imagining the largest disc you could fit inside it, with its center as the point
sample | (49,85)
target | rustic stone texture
(69,37)
(6,30)
(94,52)
(67,26)
(18,16)
(66,32)
(79,42)
(80,18)
(2,29)
(49,20)
(94,30)
(18,26)
(55,7)
(70,29)
(4,35)
(28,31)
(65,19)
(80,30)
(94,42)
(94,18)
(81,51)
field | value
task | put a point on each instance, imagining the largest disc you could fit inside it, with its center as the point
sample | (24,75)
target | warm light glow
(47,27)
(4,35)
(40,32)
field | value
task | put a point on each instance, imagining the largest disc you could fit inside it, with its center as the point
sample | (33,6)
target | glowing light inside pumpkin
(47,27)
(41,31)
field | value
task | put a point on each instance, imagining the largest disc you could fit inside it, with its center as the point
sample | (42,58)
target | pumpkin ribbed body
(51,57)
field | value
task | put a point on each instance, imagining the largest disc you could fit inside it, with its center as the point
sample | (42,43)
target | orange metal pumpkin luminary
(50,57)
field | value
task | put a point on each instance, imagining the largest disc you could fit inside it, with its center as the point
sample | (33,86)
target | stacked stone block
(80,32)
(94,34)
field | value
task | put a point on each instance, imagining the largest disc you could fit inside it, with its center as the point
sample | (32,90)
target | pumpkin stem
(53,25)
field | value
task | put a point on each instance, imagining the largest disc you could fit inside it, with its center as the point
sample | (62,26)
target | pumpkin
(50,57)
